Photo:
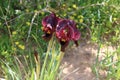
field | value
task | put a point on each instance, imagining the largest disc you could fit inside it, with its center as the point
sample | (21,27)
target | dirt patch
(77,62)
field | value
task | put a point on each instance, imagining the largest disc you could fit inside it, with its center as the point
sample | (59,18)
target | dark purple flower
(49,25)
(66,30)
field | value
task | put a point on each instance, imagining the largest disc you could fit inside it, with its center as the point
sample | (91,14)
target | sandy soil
(77,62)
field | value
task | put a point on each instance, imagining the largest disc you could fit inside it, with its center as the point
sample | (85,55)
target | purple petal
(50,20)
(76,34)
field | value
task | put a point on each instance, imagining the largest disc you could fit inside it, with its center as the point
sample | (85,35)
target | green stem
(45,60)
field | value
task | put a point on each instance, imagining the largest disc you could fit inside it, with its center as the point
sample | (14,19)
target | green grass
(20,36)
(28,66)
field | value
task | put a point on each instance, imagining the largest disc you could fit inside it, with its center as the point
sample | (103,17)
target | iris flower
(66,31)
(49,25)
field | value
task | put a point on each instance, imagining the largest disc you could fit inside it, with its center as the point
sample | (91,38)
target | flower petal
(64,45)
(46,37)
(50,21)
(76,34)
(63,30)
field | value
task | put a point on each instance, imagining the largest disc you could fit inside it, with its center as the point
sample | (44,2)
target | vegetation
(25,55)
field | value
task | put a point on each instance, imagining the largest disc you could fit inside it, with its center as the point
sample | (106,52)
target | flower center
(63,40)
(65,31)
(48,32)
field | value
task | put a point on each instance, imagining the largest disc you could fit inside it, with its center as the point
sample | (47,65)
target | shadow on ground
(78,62)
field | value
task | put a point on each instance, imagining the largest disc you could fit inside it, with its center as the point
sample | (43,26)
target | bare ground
(78,62)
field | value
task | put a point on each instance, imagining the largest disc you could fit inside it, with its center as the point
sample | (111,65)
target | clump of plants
(54,28)
(25,54)
(64,29)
